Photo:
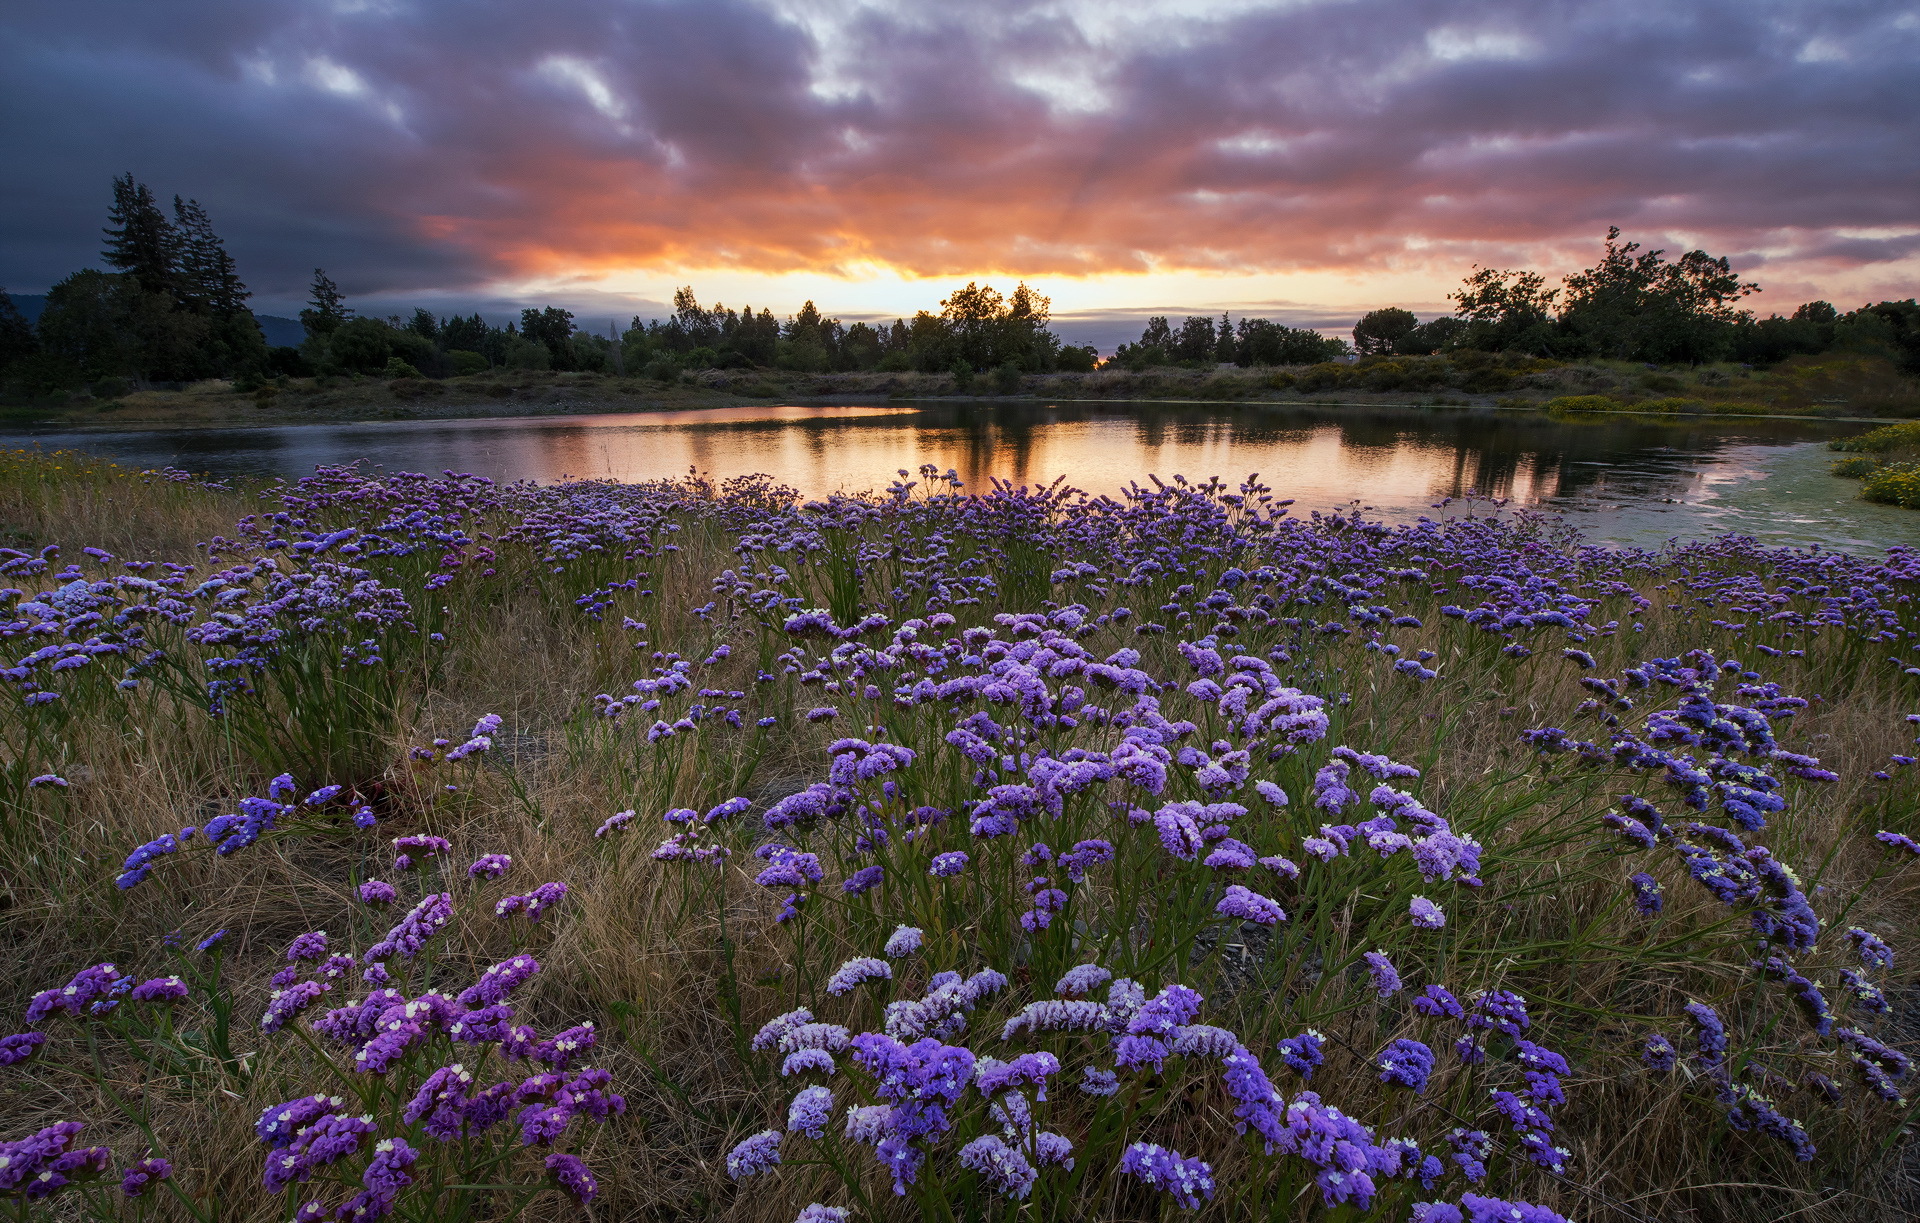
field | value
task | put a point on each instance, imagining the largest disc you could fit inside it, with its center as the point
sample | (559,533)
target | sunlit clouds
(1329,155)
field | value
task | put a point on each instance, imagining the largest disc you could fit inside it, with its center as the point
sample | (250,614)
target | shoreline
(272,418)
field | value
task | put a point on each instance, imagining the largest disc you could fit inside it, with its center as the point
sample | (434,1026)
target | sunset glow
(1307,160)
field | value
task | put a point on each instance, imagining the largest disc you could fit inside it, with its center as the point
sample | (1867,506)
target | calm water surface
(1621,479)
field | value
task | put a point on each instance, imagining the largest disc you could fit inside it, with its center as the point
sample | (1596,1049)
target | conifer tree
(209,280)
(328,309)
(140,240)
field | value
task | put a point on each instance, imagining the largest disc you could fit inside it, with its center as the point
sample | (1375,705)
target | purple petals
(1188,1181)
(1249,906)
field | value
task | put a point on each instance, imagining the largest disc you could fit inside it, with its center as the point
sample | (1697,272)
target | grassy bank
(1427,839)
(1847,386)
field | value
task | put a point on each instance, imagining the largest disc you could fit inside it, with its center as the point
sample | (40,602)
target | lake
(1625,479)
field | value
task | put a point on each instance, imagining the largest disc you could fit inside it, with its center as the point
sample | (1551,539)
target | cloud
(439,148)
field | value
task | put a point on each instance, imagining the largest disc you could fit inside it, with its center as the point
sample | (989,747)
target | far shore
(1592,389)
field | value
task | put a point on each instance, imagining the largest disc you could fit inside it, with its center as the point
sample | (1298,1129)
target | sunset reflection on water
(1623,478)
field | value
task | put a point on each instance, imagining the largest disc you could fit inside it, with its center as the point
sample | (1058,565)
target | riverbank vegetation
(1886,461)
(422,848)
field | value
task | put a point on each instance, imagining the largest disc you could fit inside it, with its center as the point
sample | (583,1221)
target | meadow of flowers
(423,848)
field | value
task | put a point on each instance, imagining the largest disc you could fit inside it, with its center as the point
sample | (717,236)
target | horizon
(1305,162)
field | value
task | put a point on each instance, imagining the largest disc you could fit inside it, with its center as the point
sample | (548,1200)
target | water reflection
(1627,478)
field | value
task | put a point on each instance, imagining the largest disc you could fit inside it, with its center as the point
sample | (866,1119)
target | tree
(1380,332)
(1265,342)
(363,345)
(423,324)
(1226,349)
(140,241)
(1194,341)
(17,341)
(1505,309)
(103,324)
(208,278)
(1434,335)
(1641,307)
(552,327)
(327,309)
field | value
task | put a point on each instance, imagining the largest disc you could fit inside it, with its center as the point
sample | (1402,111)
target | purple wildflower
(857,970)
(1407,1063)
(144,1176)
(1249,906)
(1188,1181)
(1386,980)
(489,866)
(571,1177)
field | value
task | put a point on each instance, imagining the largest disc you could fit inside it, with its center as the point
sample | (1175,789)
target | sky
(1304,159)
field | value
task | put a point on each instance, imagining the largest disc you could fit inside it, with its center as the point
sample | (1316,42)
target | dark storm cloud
(440,146)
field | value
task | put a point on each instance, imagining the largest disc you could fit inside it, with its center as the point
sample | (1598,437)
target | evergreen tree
(209,281)
(17,340)
(140,240)
(328,309)
(1225,349)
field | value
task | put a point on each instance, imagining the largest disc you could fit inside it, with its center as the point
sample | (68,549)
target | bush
(1076,360)
(461,362)
(1887,438)
(1894,484)
(1856,467)
(962,376)
(396,368)
(110,388)
(1006,379)
(1583,403)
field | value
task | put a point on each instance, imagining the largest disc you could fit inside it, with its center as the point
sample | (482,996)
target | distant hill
(279,331)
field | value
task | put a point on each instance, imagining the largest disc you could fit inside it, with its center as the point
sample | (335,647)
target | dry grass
(640,948)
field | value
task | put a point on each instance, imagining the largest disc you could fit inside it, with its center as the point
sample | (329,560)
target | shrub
(1887,438)
(1583,403)
(1893,484)
(462,362)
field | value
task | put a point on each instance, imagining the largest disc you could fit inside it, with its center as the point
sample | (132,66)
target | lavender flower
(1647,899)
(1426,915)
(1437,1002)
(144,1176)
(1871,948)
(948,864)
(571,1177)
(19,1047)
(1249,906)
(1302,1053)
(376,893)
(810,1111)
(489,866)
(1188,1181)
(1386,981)
(1005,1170)
(857,970)
(1710,1034)
(1407,1063)
(904,941)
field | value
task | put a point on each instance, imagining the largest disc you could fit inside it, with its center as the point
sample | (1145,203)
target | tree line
(173,310)
(1638,305)
(977,329)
